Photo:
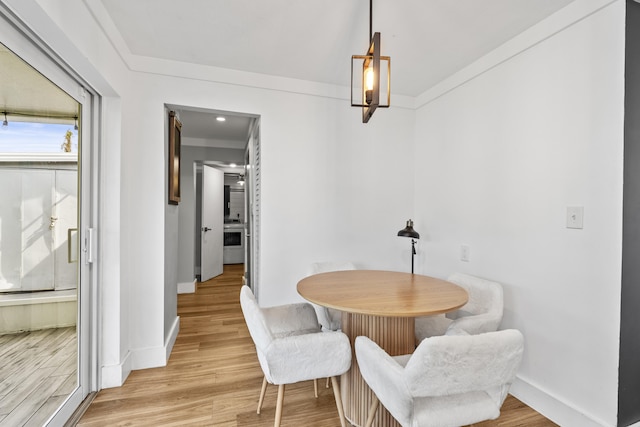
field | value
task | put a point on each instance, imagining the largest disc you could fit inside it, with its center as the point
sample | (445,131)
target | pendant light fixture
(370,76)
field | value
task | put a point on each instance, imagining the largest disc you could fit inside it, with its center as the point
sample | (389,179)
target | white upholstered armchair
(483,312)
(330,319)
(292,348)
(448,381)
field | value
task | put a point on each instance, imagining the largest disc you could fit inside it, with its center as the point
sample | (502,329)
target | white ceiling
(427,40)
(203,124)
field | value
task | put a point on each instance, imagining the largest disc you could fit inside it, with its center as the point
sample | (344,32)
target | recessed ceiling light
(220,119)
(233,165)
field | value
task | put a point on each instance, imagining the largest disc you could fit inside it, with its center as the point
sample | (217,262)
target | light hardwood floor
(213,377)
(37,373)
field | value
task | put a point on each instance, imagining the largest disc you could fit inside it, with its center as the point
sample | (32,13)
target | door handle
(205,229)
(70,231)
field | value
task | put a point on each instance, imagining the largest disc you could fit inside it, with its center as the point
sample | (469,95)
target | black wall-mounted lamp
(367,75)
(408,231)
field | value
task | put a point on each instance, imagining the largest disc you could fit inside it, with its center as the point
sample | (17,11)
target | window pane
(27,137)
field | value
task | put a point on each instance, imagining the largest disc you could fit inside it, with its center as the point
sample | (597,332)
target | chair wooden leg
(328,379)
(338,397)
(372,411)
(315,387)
(279,405)
(262,392)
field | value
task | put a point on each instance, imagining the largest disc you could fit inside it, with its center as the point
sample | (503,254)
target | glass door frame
(26,44)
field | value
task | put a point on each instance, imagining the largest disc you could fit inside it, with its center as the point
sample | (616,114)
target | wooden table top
(382,293)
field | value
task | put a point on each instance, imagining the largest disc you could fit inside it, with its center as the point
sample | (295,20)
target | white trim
(154,357)
(148,357)
(171,338)
(552,407)
(187,287)
(115,375)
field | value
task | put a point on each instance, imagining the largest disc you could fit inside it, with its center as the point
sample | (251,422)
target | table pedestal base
(396,335)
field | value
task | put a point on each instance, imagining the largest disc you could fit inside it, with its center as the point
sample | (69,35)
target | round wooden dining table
(381,305)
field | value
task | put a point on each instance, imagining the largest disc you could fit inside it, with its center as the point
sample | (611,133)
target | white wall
(347,191)
(172,215)
(498,160)
(338,174)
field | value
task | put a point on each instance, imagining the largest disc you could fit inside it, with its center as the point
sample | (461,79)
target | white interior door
(211,240)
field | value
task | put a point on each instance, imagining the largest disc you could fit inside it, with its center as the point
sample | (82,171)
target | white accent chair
(483,312)
(329,318)
(291,347)
(451,380)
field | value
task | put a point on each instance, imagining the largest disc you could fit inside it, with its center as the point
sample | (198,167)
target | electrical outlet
(465,251)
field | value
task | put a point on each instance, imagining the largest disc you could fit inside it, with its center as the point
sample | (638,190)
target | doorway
(46,358)
(217,139)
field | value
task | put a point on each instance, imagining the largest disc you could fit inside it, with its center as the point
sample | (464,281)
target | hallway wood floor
(213,377)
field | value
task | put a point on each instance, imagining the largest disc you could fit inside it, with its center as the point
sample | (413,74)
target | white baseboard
(171,338)
(150,357)
(551,407)
(115,375)
(187,287)
(154,357)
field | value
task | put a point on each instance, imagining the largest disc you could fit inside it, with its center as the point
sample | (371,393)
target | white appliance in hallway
(233,250)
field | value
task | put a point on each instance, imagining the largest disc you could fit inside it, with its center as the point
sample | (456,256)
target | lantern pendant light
(370,76)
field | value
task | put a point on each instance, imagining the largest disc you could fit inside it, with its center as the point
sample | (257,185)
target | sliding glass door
(48,364)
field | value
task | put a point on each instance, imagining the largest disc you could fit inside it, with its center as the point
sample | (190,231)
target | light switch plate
(575,216)
(465,252)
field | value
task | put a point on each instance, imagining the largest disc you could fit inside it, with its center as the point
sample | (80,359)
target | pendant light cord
(370,20)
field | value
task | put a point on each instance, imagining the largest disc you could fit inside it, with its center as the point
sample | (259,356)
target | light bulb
(368,78)
(368,83)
